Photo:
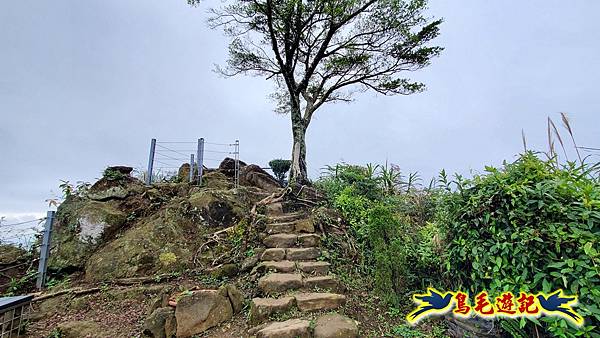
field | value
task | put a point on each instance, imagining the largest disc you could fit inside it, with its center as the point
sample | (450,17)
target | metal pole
(237,163)
(192,167)
(45,250)
(200,157)
(150,162)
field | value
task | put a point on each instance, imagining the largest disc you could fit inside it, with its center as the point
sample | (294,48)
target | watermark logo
(505,305)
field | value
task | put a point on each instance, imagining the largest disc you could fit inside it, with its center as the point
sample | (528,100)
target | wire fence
(167,157)
(33,235)
(23,233)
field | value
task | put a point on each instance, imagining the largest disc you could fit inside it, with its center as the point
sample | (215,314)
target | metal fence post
(45,250)
(237,163)
(150,162)
(192,167)
(200,157)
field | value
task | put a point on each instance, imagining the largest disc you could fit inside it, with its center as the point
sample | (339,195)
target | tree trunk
(298,174)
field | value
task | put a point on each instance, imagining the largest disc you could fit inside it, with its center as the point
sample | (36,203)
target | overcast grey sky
(86,84)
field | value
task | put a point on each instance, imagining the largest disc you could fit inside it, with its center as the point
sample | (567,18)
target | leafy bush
(280,168)
(390,226)
(531,225)
(112,174)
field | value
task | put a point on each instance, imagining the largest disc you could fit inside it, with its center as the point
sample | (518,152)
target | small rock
(170,327)
(154,325)
(183,174)
(293,328)
(249,262)
(225,270)
(335,326)
(80,328)
(235,297)
(200,311)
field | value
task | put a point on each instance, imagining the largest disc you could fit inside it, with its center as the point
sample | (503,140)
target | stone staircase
(295,283)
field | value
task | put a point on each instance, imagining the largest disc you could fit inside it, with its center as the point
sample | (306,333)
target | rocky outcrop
(152,231)
(227,166)
(82,225)
(217,208)
(253,175)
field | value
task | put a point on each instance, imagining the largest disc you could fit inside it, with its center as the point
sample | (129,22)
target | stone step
(309,240)
(281,240)
(289,240)
(313,268)
(279,266)
(278,228)
(291,254)
(317,301)
(321,282)
(302,254)
(335,326)
(287,217)
(280,282)
(273,254)
(293,328)
(274,209)
(297,226)
(262,308)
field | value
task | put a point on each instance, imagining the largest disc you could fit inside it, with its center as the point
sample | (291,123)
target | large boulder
(80,228)
(201,310)
(155,246)
(254,175)
(217,208)
(227,166)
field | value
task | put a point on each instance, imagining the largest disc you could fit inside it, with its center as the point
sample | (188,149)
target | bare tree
(321,51)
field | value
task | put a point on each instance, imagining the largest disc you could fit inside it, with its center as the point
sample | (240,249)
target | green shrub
(280,168)
(396,242)
(112,174)
(531,225)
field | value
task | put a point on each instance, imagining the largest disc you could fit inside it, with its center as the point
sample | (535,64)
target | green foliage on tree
(280,168)
(325,51)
